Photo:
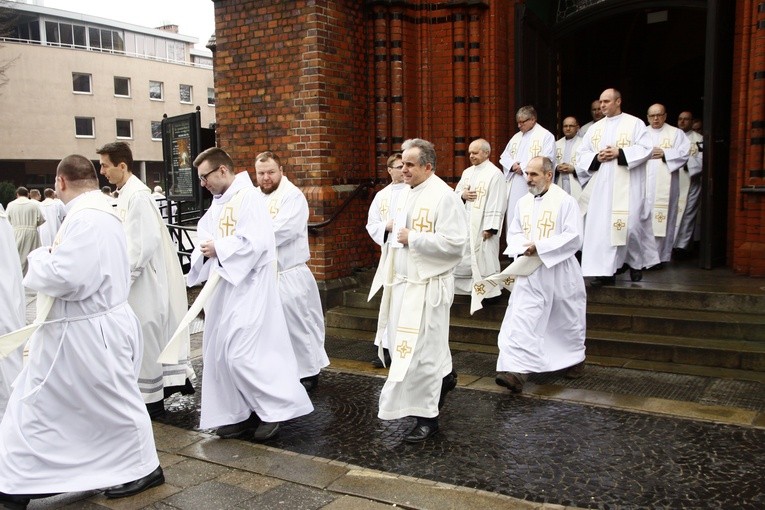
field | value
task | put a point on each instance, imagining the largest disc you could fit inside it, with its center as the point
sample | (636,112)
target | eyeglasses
(570,125)
(203,177)
(524,121)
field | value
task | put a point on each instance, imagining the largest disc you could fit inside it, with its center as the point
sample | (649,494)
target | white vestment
(521,148)
(157,289)
(288,208)
(53,212)
(386,203)
(565,152)
(436,240)
(600,257)
(12,306)
(544,325)
(484,213)
(75,420)
(687,221)
(662,185)
(25,216)
(248,361)
(583,130)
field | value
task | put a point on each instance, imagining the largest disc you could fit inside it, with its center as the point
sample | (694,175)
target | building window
(211,96)
(156,91)
(156,130)
(121,86)
(185,93)
(124,128)
(81,83)
(83,127)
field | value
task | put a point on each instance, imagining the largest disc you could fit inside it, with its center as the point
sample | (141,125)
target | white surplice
(248,361)
(521,148)
(662,184)
(386,203)
(288,208)
(485,213)
(12,306)
(25,216)
(76,420)
(544,326)
(157,289)
(53,212)
(599,256)
(565,152)
(687,223)
(436,218)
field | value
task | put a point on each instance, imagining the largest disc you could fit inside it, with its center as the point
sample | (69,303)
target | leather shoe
(310,383)
(237,429)
(602,281)
(155,409)
(636,275)
(512,381)
(420,433)
(448,383)
(266,430)
(13,502)
(575,371)
(153,479)
(377,362)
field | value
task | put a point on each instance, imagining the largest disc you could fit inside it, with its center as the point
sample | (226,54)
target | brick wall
(335,86)
(746,218)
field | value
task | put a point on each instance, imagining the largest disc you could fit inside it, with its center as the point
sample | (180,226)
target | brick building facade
(334,86)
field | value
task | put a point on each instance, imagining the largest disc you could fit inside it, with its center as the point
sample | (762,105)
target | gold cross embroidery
(623,141)
(526,225)
(545,225)
(665,144)
(403,349)
(480,288)
(227,222)
(559,155)
(596,139)
(508,281)
(273,208)
(421,221)
(660,216)
(619,224)
(513,149)
(535,149)
(480,192)
(384,208)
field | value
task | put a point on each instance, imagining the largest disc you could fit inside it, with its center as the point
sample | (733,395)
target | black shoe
(448,383)
(12,502)
(602,281)
(310,383)
(636,275)
(155,409)
(510,380)
(266,430)
(575,371)
(421,432)
(657,267)
(237,429)
(377,362)
(153,479)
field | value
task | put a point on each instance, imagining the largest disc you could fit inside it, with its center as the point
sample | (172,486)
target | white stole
(663,181)
(566,153)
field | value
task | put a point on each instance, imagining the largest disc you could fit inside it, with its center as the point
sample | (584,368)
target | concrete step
(678,298)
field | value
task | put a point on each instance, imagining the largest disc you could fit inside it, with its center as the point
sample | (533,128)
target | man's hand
(517,168)
(530,250)
(608,154)
(389,226)
(657,153)
(468,195)
(487,234)
(208,249)
(403,236)
(565,168)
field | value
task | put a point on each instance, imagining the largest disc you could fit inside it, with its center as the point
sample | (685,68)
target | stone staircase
(666,328)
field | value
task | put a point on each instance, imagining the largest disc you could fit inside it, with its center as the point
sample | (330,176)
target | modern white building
(76,82)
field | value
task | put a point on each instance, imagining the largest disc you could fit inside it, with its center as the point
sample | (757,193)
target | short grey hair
(427,151)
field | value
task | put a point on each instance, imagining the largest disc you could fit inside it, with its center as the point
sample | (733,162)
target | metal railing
(313,228)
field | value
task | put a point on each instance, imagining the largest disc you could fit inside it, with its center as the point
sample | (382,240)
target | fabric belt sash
(172,351)
(13,340)
(522,266)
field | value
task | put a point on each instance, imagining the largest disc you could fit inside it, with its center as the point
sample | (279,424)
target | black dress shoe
(636,275)
(13,502)
(420,433)
(310,383)
(510,380)
(602,281)
(448,383)
(153,479)
(237,429)
(377,362)
(156,409)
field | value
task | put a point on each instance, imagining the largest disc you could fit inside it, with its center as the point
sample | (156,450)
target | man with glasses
(157,289)
(250,377)
(670,153)
(386,203)
(482,190)
(690,188)
(565,158)
(530,141)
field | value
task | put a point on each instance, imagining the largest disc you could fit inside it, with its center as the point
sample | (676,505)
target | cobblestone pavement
(533,449)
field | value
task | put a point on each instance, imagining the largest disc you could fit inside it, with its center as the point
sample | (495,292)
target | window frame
(191,93)
(92,127)
(117,129)
(129,91)
(151,128)
(211,97)
(90,83)
(161,91)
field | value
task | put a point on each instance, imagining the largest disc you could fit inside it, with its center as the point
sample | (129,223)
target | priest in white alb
(690,188)
(250,379)
(670,153)
(76,420)
(12,306)
(157,289)
(418,289)
(482,189)
(385,205)
(530,141)
(53,212)
(544,325)
(299,292)
(25,216)
(565,158)
(611,166)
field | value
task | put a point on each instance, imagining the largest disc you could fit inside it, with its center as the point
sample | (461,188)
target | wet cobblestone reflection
(538,450)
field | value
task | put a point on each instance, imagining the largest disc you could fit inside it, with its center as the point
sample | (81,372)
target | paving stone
(192,472)
(211,495)
(355,503)
(289,496)
(250,481)
(141,500)
(70,501)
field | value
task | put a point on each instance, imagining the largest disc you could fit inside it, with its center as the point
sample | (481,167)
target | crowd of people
(616,194)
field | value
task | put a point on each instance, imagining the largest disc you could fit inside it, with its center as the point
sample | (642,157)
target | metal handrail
(313,228)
